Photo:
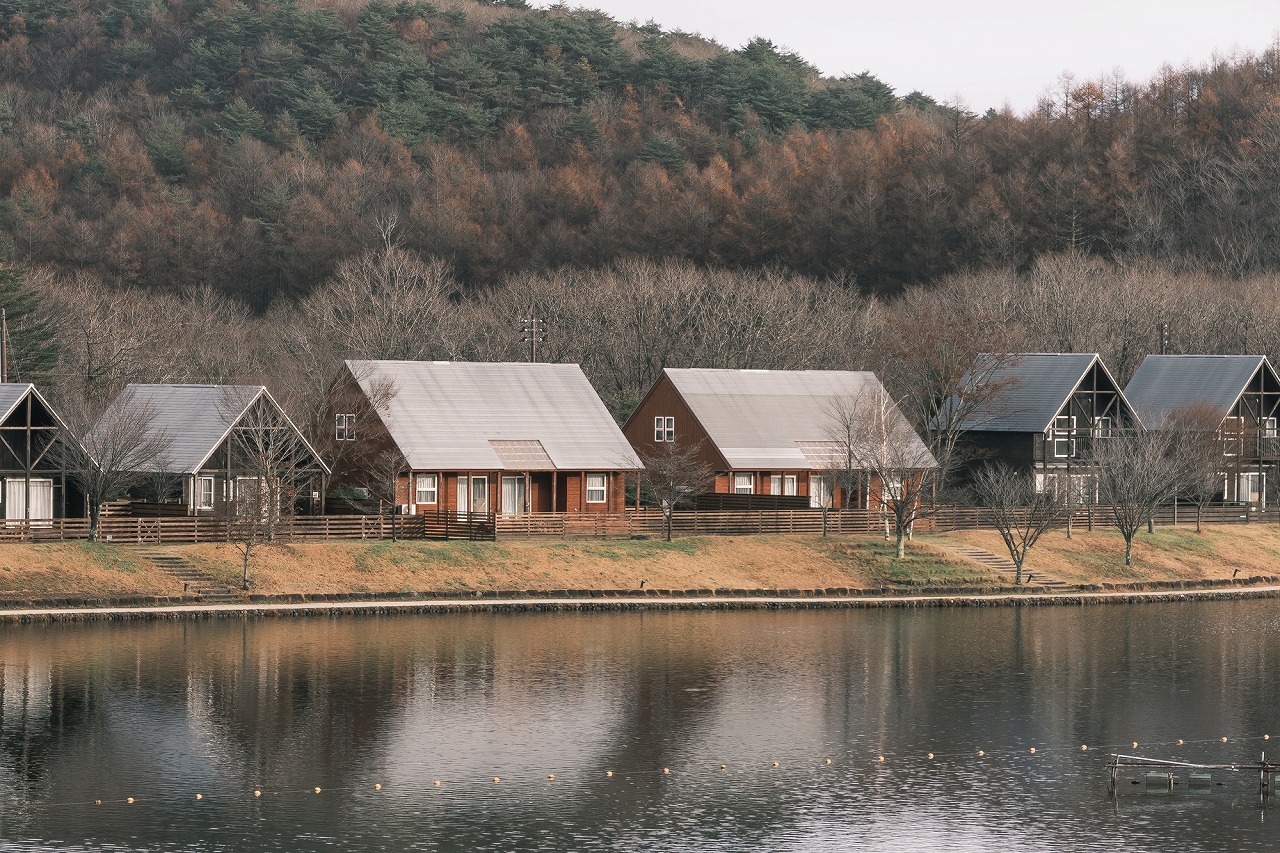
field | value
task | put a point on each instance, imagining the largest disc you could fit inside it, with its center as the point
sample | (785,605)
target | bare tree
(674,477)
(1018,511)
(1199,453)
(1137,471)
(898,461)
(118,449)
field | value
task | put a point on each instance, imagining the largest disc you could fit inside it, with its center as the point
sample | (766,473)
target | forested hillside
(170,144)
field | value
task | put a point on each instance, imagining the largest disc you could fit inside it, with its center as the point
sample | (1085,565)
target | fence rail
(633,523)
(189,529)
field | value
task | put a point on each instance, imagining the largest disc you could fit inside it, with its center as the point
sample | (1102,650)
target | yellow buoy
(1084,747)
(199,796)
(437,783)
(551,776)
(496,780)
(317,790)
(880,758)
(724,766)
(981,753)
(257,793)
(129,800)
(610,772)
(775,764)
(1135,744)
(377,786)
(931,756)
(1033,750)
(1224,740)
(97,802)
(1179,742)
(666,771)
(826,761)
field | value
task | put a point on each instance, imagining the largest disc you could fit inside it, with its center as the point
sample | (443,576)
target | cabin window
(1102,428)
(789,484)
(775,484)
(891,488)
(744,484)
(1064,436)
(819,491)
(344,427)
(596,491)
(428,489)
(664,429)
(1268,427)
(206,493)
(1232,428)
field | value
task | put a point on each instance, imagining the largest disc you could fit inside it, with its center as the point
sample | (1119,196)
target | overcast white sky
(986,52)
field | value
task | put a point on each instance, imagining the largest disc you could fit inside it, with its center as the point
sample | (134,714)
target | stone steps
(1004,566)
(194,579)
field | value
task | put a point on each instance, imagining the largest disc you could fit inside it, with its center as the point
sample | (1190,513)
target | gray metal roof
(444,415)
(1033,387)
(1165,383)
(193,418)
(768,419)
(13,393)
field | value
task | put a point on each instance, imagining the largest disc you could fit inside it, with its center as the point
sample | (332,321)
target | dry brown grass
(752,562)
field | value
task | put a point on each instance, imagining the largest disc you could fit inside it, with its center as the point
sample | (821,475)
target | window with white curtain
(744,484)
(596,491)
(428,489)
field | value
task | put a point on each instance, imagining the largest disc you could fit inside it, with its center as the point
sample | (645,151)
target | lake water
(162,712)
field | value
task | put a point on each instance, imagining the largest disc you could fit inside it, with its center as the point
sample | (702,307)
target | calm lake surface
(163,711)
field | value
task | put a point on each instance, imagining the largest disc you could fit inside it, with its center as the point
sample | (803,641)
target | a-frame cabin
(34,485)
(1240,392)
(1043,414)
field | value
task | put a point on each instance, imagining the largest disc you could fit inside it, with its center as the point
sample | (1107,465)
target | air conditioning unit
(404,509)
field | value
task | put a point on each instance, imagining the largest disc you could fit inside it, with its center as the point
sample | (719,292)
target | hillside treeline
(83,341)
(251,148)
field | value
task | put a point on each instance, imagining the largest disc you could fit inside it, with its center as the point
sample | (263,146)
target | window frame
(200,491)
(750,483)
(344,426)
(1069,427)
(602,489)
(420,489)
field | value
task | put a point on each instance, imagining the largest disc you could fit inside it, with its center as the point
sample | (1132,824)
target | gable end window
(664,429)
(344,427)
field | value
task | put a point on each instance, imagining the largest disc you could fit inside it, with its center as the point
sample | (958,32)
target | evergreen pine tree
(33,346)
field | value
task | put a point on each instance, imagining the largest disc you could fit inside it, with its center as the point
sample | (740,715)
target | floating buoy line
(886,761)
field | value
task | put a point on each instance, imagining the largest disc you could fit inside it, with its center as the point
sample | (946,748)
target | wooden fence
(189,529)
(641,523)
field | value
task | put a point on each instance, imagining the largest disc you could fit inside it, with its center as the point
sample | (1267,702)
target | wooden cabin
(35,485)
(1240,392)
(771,432)
(218,446)
(471,437)
(1042,413)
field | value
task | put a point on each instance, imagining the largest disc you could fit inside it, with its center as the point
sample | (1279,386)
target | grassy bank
(752,562)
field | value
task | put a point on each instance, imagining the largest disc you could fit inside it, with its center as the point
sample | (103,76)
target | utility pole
(4,346)
(1163,329)
(535,332)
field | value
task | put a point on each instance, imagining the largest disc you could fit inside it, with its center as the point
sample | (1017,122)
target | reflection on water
(163,711)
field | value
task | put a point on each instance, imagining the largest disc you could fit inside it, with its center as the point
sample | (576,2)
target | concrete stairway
(1004,567)
(194,579)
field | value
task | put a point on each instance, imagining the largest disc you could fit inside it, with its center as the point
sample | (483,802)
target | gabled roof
(777,419)
(447,416)
(1166,383)
(195,419)
(1031,389)
(13,393)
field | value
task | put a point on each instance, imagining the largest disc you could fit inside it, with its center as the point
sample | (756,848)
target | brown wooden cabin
(215,440)
(1042,414)
(34,484)
(764,432)
(1243,394)
(472,437)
